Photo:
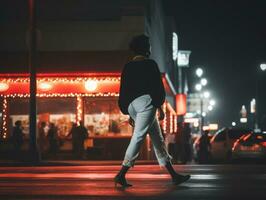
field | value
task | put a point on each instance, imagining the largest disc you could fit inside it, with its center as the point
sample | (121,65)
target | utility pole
(34,153)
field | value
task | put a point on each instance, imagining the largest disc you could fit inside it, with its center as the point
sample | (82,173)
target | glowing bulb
(210,108)
(206,94)
(4,87)
(212,102)
(196,124)
(199,72)
(263,67)
(203,81)
(91,85)
(44,86)
(198,87)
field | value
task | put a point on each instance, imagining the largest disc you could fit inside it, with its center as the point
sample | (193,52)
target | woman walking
(141,95)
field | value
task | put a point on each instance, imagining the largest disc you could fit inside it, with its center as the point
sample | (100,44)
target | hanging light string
(107,94)
(62,80)
(79,108)
(4,118)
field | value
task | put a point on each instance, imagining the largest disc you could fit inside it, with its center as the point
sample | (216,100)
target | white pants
(144,115)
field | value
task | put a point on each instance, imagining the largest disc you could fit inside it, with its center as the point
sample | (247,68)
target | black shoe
(122,181)
(178,179)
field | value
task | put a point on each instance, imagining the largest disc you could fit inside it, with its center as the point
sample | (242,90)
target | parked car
(222,142)
(251,145)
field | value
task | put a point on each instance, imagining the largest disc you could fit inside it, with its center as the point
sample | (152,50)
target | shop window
(19,110)
(60,111)
(102,117)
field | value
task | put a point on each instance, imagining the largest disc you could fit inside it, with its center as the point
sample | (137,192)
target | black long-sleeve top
(139,78)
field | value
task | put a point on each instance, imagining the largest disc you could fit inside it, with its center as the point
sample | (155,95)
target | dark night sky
(228,38)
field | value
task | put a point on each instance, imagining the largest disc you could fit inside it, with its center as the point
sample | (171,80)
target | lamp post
(257,116)
(34,153)
(202,95)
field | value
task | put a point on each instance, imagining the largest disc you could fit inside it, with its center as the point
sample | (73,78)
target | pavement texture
(149,182)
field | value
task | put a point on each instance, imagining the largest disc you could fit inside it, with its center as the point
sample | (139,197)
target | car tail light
(263,144)
(235,144)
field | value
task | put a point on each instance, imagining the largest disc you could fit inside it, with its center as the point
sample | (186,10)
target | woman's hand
(131,122)
(161,114)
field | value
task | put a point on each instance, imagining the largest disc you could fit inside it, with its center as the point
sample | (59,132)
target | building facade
(80,58)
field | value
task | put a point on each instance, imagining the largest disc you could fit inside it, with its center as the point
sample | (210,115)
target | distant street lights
(203,95)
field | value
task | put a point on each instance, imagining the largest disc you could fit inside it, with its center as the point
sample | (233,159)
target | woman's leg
(158,143)
(162,155)
(143,121)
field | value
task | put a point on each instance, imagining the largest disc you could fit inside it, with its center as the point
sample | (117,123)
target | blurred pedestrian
(204,148)
(179,142)
(17,139)
(52,136)
(42,140)
(74,135)
(141,95)
(187,144)
(80,134)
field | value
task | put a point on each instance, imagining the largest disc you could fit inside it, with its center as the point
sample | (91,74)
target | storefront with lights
(78,75)
(64,98)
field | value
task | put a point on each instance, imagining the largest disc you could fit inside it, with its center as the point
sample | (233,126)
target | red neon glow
(64,83)
(181,104)
(61,85)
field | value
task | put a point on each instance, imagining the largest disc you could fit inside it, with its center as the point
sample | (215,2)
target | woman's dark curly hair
(140,45)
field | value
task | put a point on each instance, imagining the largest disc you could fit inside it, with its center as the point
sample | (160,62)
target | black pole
(201,116)
(256,114)
(34,153)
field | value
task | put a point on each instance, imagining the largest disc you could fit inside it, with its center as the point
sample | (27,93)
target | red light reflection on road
(83,175)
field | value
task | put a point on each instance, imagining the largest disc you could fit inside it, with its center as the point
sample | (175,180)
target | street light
(206,94)
(263,66)
(212,102)
(199,72)
(210,107)
(198,87)
(203,81)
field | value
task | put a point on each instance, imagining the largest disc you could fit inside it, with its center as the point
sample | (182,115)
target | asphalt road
(149,182)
